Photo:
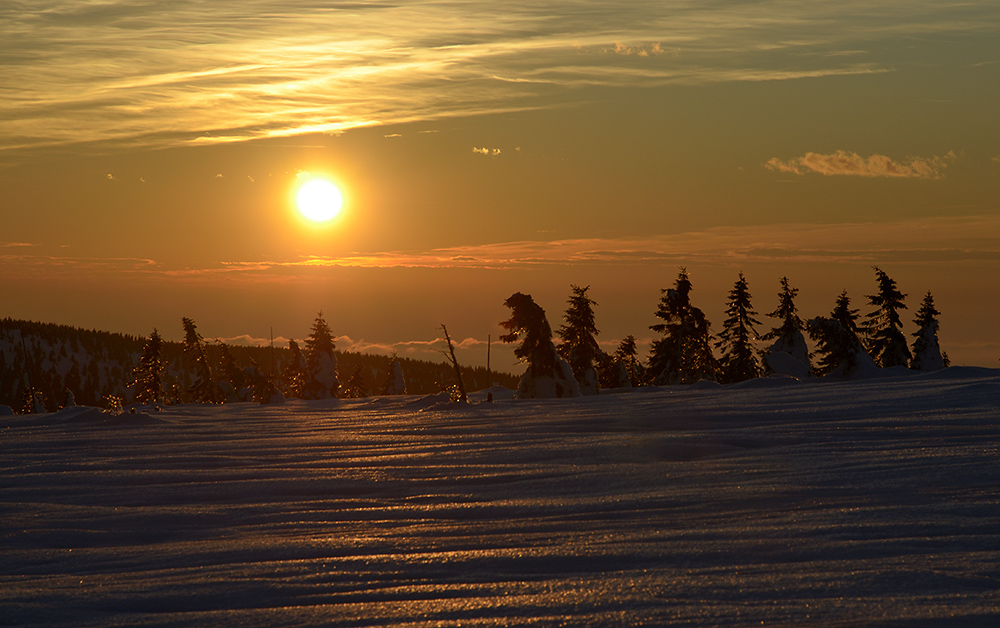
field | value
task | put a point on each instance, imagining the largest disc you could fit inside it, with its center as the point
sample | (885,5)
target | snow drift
(773,501)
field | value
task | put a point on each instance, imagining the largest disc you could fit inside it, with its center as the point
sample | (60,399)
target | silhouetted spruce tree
(788,353)
(147,382)
(321,362)
(260,387)
(627,354)
(927,354)
(839,350)
(357,384)
(884,328)
(843,314)
(579,340)
(739,357)
(293,375)
(547,375)
(611,371)
(204,389)
(232,380)
(32,401)
(684,354)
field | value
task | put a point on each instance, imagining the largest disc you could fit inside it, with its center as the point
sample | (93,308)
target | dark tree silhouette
(788,351)
(886,342)
(204,389)
(293,375)
(628,355)
(579,340)
(548,375)
(321,362)
(739,357)
(458,395)
(927,354)
(147,376)
(684,354)
(839,349)
(843,314)
(32,401)
(357,384)
(232,379)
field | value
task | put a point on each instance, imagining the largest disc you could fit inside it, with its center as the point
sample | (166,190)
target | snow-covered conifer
(843,314)
(232,381)
(547,375)
(788,353)
(259,387)
(32,401)
(841,352)
(357,384)
(684,354)
(579,340)
(321,362)
(147,383)
(927,355)
(739,359)
(613,372)
(627,354)
(293,375)
(884,328)
(204,389)
(395,383)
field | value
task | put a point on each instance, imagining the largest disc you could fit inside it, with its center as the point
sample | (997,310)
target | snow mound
(556,385)
(783,363)
(705,384)
(80,414)
(133,418)
(498,393)
(772,381)
(6,411)
(97,416)
(445,406)
(430,400)
(961,372)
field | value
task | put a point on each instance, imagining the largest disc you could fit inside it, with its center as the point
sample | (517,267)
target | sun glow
(319,200)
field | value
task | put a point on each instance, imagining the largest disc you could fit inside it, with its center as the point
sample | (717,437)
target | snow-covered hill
(772,502)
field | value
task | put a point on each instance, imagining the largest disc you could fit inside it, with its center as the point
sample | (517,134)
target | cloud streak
(844,163)
(116,73)
(946,240)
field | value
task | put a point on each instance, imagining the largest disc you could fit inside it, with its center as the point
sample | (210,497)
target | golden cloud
(852,164)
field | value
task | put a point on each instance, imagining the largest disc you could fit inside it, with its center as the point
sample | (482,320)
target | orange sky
(148,160)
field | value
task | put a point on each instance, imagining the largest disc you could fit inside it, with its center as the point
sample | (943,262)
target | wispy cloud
(116,72)
(852,164)
(924,240)
(28,264)
(958,239)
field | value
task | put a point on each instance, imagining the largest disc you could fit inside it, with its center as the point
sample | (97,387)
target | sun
(319,200)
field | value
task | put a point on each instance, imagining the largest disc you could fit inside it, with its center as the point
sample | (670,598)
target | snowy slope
(773,501)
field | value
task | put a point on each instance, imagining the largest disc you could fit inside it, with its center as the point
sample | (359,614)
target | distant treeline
(98,368)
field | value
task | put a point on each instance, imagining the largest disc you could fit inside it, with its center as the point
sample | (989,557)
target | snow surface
(771,502)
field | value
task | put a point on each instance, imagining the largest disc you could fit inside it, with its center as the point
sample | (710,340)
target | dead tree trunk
(454,362)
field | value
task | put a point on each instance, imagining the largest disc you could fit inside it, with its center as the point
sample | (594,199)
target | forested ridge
(97,367)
